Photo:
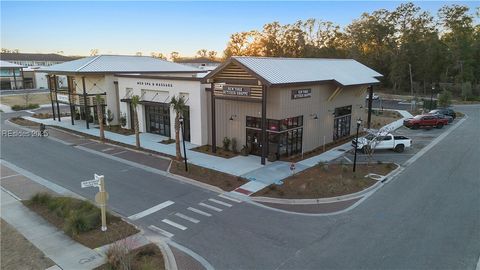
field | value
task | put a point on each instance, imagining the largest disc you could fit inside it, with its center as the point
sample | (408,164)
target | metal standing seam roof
(119,64)
(300,70)
(5,64)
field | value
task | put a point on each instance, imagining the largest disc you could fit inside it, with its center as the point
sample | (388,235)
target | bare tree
(94,52)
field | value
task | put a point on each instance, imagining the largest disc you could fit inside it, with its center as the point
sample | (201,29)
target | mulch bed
(119,130)
(117,228)
(222,180)
(207,149)
(323,181)
(24,122)
(48,115)
(146,257)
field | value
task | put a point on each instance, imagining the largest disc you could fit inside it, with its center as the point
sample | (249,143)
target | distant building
(11,76)
(36,59)
(200,62)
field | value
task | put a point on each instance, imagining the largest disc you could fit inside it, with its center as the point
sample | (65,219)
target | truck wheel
(399,148)
(440,126)
(415,126)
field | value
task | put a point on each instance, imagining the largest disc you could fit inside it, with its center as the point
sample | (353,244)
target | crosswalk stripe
(229,198)
(220,202)
(151,210)
(199,211)
(174,224)
(210,207)
(156,229)
(180,215)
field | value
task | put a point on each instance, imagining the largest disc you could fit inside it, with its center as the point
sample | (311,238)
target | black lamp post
(431,97)
(182,126)
(359,122)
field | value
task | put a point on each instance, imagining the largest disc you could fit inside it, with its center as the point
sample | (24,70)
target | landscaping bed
(36,98)
(382,118)
(24,122)
(79,219)
(146,257)
(25,107)
(207,149)
(119,130)
(48,115)
(167,141)
(326,180)
(222,180)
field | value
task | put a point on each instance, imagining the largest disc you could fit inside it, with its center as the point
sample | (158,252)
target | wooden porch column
(56,97)
(14,78)
(264,125)
(49,83)
(85,102)
(370,97)
(214,130)
(72,110)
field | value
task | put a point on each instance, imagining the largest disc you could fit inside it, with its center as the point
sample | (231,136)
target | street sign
(91,183)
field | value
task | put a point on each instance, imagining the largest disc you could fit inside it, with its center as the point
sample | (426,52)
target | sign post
(101,197)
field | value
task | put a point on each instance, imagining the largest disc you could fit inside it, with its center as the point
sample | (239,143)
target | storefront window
(158,119)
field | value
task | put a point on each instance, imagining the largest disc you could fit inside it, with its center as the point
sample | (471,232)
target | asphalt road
(426,218)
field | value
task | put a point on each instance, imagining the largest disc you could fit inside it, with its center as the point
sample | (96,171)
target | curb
(341,198)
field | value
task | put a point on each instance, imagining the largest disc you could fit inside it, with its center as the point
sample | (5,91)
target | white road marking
(349,160)
(220,202)
(156,229)
(151,210)
(199,211)
(174,224)
(108,149)
(180,215)
(8,176)
(85,143)
(210,207)
(118,153)
(229,198)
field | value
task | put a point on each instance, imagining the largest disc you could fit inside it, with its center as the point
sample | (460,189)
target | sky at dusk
(128,27)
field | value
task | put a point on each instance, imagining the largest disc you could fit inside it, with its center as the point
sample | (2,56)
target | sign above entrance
(236,90)
(301,93)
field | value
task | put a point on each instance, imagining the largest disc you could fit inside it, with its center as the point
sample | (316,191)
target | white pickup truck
(388,141)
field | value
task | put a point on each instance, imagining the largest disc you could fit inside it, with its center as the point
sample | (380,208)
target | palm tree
(100,117)
(179,106)
(134,102)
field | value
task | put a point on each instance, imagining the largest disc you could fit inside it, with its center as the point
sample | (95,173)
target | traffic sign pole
(101,197)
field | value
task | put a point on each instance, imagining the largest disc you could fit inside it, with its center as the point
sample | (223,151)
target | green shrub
(234,145)
(323,165)
(23,107)
(344,168)
(75,223)
(226,143)
(41,199)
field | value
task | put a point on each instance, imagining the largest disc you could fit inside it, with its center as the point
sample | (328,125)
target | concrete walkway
(65,252)
(248,167)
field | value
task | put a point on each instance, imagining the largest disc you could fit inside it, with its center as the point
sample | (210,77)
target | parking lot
(420,139)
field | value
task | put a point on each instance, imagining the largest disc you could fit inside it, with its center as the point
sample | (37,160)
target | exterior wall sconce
(314,116)
(232,117)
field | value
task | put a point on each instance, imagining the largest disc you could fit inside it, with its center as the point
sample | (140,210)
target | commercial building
(100,75)
(200,62)
(11,76)
(279,107)
(36,59)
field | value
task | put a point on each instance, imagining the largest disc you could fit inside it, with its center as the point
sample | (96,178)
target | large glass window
(158,119)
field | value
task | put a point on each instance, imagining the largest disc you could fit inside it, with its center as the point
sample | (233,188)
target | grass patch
(167,141)
(79,219)
(222,180)
(37,98)
(119,130)
(326,180)
(207,149)
(381,118)
(27,107)
(144,258)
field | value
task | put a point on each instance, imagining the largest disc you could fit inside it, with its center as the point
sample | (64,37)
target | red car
(425,120)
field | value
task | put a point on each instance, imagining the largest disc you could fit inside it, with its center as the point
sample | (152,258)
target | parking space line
(195,210)
(210,207)
(151,210)
(12,175)
(156,229)
(174,224)
(118,153)
(220,202)
(180,215)
(229,198)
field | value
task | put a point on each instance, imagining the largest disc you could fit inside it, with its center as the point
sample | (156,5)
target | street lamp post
(182,127)
(359,122)
(431,97)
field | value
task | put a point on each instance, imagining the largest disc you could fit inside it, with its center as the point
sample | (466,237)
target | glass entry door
(254,141)
(341,127)
(158,119)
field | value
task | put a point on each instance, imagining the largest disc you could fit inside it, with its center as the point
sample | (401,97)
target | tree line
(441,50)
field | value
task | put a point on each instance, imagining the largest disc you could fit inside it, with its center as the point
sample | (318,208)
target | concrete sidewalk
(65,252)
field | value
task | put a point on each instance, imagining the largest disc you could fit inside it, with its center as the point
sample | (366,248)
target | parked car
(388,141)
(374,97)
(443,116)
(425,120)
(444,111)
